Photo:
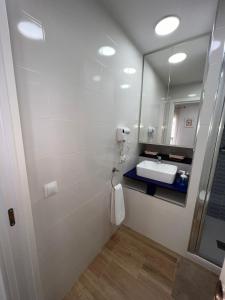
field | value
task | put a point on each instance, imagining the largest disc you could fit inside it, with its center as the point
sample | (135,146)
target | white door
(19,274)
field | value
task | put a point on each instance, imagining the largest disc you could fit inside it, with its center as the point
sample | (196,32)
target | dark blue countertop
(175,186)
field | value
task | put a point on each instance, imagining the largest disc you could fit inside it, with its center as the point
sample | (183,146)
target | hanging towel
(117,205)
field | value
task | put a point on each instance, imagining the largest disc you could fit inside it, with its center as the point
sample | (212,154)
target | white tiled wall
(68,123)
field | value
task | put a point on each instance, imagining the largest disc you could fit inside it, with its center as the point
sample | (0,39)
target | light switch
(50,189)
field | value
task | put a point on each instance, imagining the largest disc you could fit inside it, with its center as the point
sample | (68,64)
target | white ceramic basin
(157,171)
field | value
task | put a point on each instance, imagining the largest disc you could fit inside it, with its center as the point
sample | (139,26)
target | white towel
(117,205)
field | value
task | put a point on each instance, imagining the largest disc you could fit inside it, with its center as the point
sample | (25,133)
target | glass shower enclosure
(208,229)
(212,241)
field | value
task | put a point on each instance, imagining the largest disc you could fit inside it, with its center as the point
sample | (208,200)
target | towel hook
(114,170)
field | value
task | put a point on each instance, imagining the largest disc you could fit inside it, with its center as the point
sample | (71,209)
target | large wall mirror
(171,92)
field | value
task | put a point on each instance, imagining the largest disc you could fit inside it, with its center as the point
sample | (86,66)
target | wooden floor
(130,266)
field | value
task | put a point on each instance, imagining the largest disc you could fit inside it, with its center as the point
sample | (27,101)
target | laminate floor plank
(133,267)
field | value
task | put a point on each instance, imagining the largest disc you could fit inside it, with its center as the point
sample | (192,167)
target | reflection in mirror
(184,123)
(171,93)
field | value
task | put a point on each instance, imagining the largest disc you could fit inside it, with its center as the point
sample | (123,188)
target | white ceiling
(138,17)
(189,71)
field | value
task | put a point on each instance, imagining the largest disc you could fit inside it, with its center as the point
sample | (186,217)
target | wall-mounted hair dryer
(121,134)
(151,131)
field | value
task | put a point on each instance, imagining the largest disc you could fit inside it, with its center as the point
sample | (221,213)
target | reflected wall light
(125,86)
(96,78)
(129,70)
(215,45)
(106,51)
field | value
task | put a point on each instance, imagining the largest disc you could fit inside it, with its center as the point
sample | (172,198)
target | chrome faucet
(159,158)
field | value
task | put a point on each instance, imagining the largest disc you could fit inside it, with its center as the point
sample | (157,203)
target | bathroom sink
(157,171)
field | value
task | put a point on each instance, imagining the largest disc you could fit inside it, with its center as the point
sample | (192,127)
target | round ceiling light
(106,51)
(129,70)
(31,30)
(167,25)
(177,58)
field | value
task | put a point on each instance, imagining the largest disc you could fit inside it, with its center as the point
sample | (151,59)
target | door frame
(172,106)
(18,242)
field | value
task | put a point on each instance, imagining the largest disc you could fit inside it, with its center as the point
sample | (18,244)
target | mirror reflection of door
(184,124)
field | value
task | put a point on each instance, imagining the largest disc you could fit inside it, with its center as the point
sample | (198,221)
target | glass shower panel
(212,245)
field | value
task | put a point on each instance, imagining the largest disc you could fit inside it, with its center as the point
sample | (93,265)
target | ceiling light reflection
(177,58)
(107,51)
(31,30)
(215,45)
(125,86)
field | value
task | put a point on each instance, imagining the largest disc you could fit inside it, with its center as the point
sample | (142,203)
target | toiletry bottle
(178,178)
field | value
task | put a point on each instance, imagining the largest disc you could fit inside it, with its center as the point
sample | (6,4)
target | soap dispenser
(183,179)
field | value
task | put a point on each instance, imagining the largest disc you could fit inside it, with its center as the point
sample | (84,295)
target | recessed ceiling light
(31,30)
(192,95)
(129,70)
(167,25)
(106,51)
(177,58)
(125,86)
